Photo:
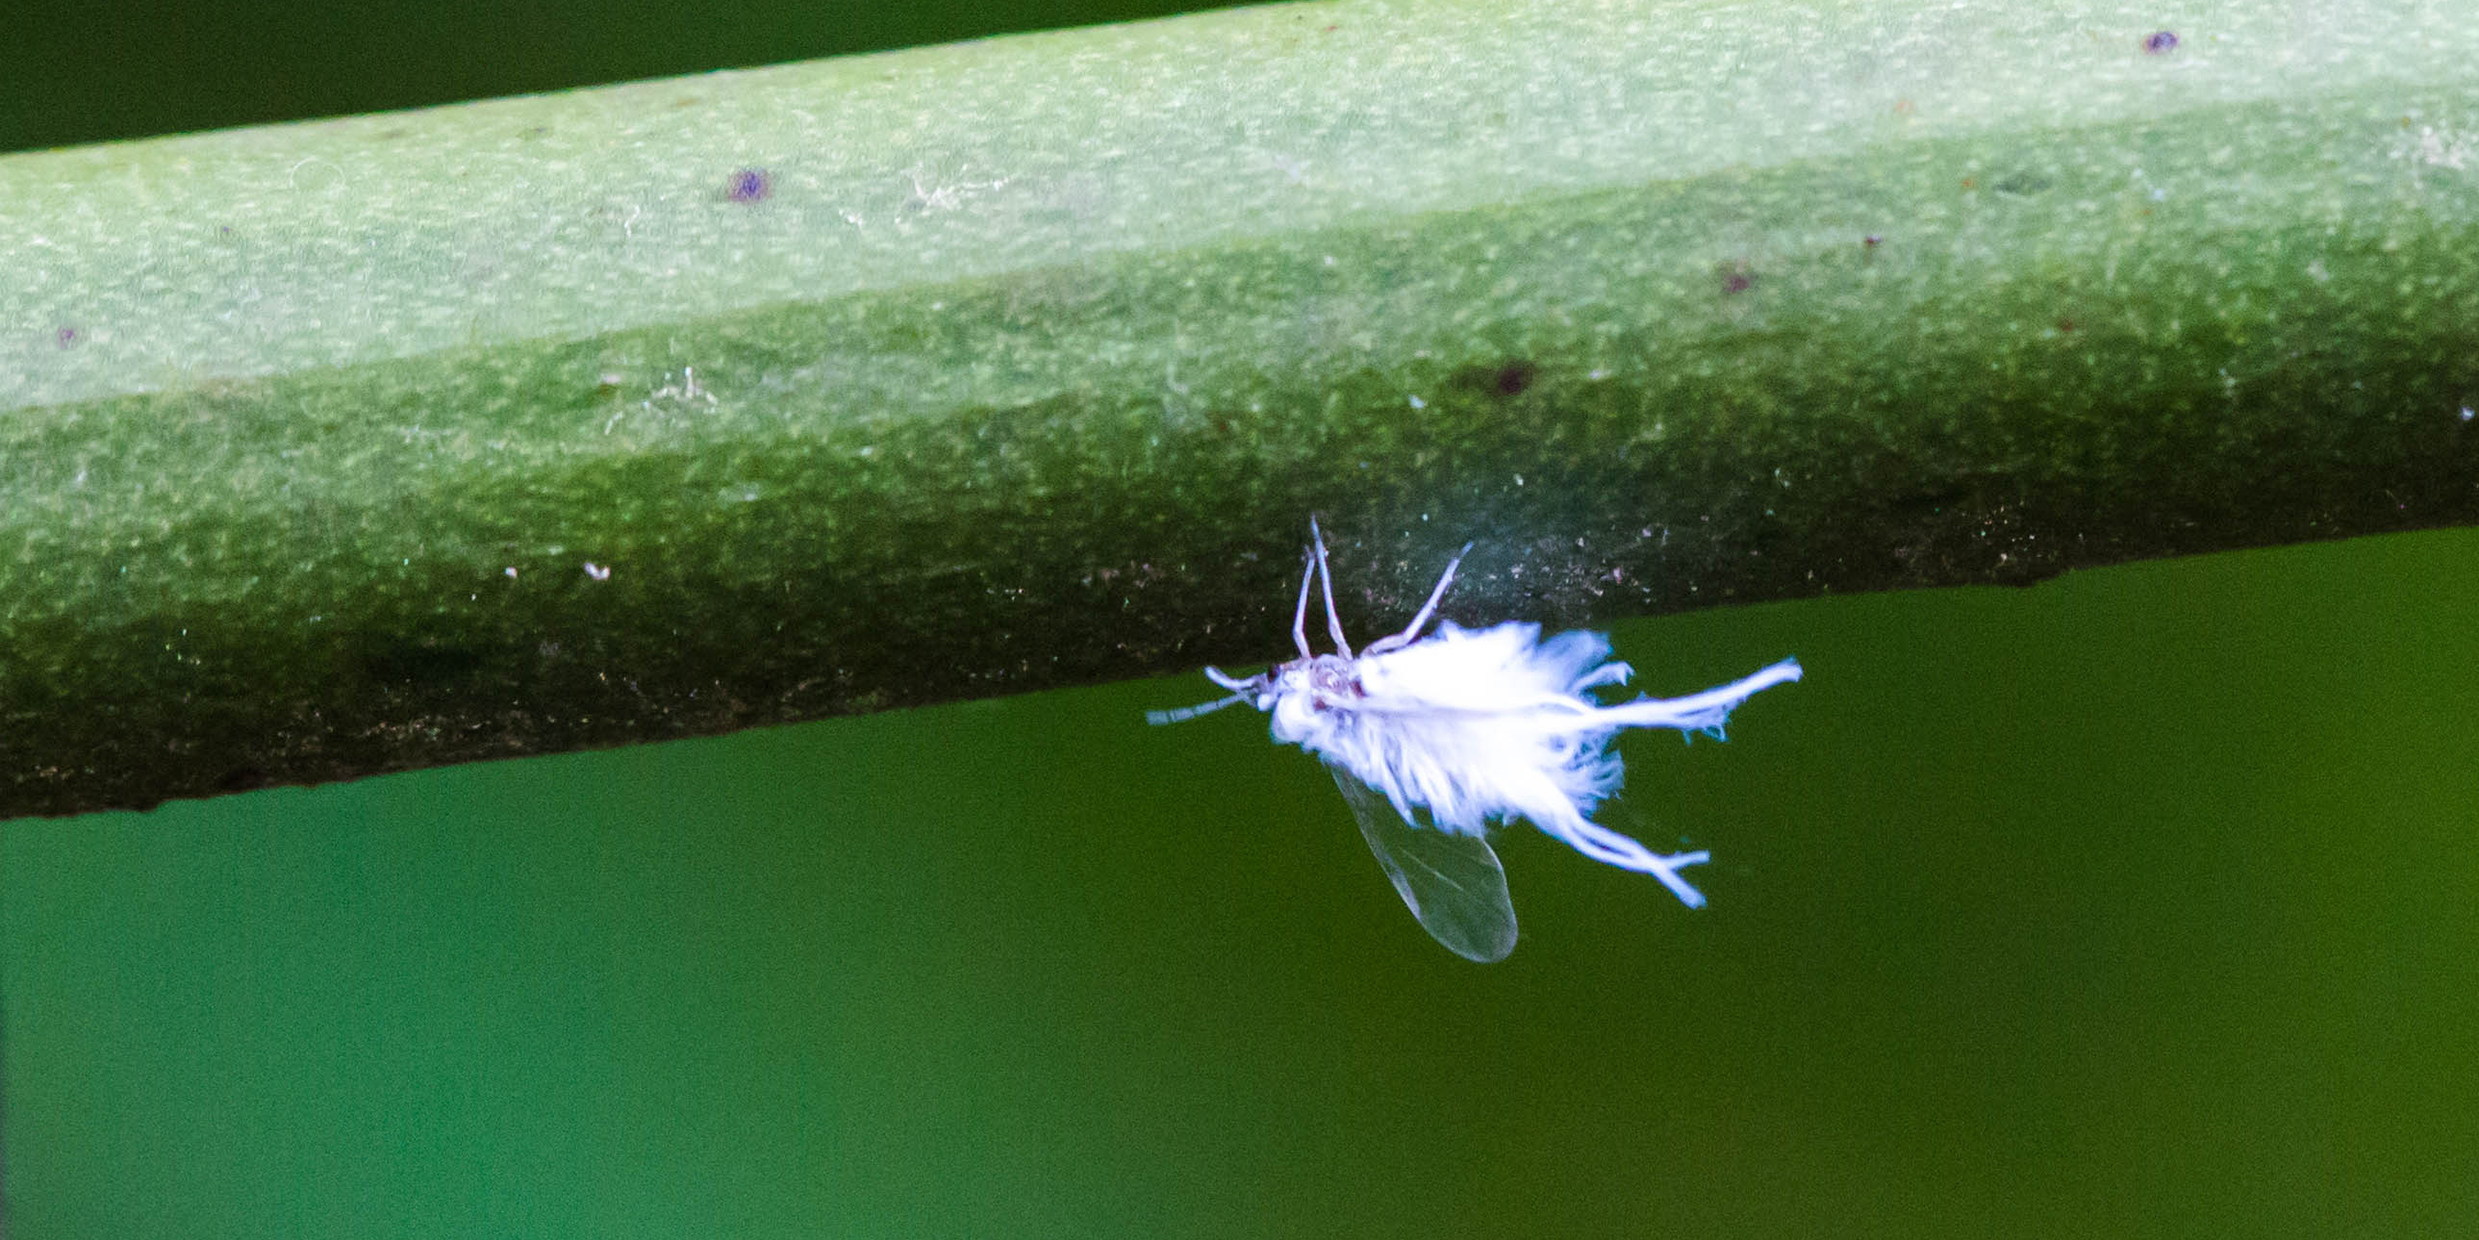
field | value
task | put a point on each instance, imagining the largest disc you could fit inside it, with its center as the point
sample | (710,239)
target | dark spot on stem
(1510,378)
(750,185)
(2160,42)
(65,337)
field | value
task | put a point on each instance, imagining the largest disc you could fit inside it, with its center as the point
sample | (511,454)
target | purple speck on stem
(65,337)
(750,185)
(2160,41)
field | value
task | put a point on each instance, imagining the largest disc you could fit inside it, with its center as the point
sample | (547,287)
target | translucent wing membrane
(1452,883)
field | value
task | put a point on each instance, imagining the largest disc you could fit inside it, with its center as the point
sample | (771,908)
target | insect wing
(1452,883)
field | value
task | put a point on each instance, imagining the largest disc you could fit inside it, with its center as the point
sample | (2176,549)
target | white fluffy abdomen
(1474,724)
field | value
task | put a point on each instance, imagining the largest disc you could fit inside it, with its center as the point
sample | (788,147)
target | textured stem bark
(670,408)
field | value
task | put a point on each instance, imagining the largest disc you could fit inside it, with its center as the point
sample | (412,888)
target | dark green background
(95,70)
(2142,902)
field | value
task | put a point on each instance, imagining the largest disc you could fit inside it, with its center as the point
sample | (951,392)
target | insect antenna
(1181,714)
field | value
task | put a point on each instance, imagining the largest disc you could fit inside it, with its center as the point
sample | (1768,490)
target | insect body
(1433,738)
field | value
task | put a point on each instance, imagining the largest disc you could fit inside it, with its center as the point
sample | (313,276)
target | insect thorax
(1328,680)
(1312,696)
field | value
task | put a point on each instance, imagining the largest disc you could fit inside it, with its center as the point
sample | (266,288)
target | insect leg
(1234,683)
(1325,578)
(1412,631)
(1610,848)
(1299,615)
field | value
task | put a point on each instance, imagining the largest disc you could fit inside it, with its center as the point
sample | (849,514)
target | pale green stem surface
(669,408)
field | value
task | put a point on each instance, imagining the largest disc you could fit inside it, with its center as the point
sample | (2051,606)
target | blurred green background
(2145,902)
(2142,902)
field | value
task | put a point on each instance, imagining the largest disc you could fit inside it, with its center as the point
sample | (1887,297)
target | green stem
(669,408)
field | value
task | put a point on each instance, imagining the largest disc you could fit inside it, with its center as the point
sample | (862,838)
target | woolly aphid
(1434,738)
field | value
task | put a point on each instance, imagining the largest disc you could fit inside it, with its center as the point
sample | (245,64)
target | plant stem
(669,408)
